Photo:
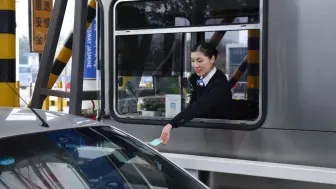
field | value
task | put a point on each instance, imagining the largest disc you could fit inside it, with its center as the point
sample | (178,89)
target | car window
(86,158)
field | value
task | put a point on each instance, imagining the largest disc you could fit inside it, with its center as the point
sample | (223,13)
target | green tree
(23,49)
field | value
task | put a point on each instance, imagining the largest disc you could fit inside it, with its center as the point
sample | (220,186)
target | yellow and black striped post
(253,65)
(17,99)
(66,52)
(59,99)
(238,72)
(46,104)
(7,54)
(217,37)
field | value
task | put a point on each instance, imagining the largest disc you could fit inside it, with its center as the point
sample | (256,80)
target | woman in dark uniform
(211,96)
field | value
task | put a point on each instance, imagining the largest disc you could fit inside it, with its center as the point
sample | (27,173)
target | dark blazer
(211,101)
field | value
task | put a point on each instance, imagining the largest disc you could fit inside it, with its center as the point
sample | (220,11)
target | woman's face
(201,63)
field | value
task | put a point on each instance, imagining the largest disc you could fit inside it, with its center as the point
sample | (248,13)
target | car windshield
(95,157)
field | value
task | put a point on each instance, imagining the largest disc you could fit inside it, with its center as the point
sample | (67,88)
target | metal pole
(77,70)
(49,52)
(30,22)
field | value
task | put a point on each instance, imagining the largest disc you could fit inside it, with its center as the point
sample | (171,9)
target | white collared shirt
(209,76)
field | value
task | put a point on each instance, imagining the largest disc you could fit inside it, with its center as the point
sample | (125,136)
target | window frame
(150,28)
(187,30)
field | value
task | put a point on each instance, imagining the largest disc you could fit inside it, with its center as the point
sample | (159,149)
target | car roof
(19,121)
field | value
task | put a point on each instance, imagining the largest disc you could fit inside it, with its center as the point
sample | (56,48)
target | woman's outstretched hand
(165,136)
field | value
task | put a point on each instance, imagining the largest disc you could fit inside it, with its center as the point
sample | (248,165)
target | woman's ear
(212,60)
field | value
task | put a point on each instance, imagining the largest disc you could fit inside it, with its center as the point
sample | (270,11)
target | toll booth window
(149,68)
(153,72)
(176,13)
(152,68)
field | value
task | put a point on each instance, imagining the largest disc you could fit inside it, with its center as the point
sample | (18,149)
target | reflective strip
(7,5)
(7,47)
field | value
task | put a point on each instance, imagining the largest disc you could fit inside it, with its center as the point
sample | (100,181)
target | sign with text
(40,19)
(173,105)
(90,57)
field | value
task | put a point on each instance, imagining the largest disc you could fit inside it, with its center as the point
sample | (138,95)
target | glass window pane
(149,70)
(86,158)
(176,13)
(160,59)
(233,48)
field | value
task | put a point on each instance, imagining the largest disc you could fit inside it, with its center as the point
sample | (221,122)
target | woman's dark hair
(208,49)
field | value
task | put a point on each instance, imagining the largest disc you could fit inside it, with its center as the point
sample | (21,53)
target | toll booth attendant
(211,96)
